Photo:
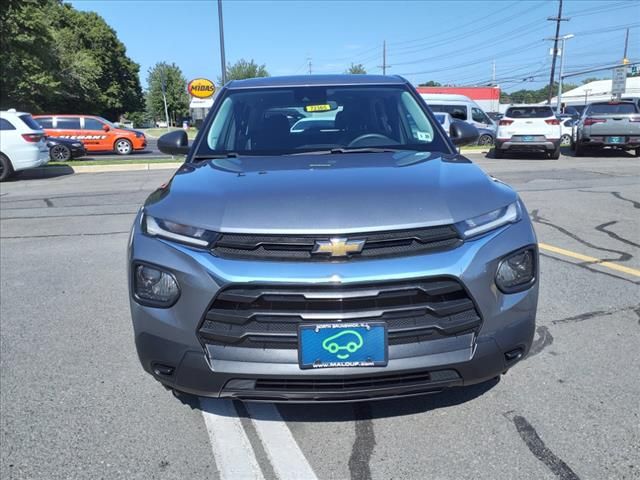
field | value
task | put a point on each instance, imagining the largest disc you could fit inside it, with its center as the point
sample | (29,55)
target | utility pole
(223,62)
(557,19)
(626,45)
(564,38)
(384,65)
(309,62)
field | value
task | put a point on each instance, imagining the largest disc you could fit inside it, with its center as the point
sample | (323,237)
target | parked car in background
(566,129)
(529,128)
(608,124)
(63,149)
(462,108)
(96,133)
(485,135)
(22,144)
(495,116)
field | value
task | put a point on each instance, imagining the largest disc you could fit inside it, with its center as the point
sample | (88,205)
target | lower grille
(300,247)
(359,383)
(268,316)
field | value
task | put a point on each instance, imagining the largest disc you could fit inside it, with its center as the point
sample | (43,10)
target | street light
(562,53)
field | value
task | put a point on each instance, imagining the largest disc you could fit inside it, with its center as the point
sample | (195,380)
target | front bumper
(170,349)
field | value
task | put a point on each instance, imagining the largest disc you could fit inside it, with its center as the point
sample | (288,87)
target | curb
(60,170)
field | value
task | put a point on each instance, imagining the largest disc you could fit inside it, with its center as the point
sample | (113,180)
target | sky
(451,42)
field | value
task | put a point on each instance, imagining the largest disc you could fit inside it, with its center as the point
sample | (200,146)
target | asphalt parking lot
(76,404)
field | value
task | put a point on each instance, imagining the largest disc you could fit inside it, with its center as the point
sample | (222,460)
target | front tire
(59,153)
(123,147)
(6,169)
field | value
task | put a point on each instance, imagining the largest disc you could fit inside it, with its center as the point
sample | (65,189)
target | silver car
(608,124)
(363,259)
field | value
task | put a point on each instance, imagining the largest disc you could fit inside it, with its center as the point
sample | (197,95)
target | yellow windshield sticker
(317,108)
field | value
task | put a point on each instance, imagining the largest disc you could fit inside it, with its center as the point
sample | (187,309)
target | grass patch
(158,132)
(82,163)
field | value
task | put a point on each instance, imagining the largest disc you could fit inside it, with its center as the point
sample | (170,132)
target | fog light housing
(154,287)
(517,271)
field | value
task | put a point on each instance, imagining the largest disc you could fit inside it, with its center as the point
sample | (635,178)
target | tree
(590,79)
(356,68)
(56,58)
(430,83)
(169,77)
(243,69)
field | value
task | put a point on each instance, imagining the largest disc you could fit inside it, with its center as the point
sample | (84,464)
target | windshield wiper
(330,151)
(215,156)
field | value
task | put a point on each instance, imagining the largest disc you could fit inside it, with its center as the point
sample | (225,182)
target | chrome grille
(268,316)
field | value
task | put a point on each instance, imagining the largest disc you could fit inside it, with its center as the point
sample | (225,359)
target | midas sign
(201,88)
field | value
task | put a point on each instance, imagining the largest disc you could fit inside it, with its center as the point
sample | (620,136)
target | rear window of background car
(30,122)
(45,122)
(6,125)
(612,108)
(529,112)
(67,123)
(456,111)
(92,124)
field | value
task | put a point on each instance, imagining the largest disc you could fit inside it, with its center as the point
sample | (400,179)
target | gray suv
(358,257)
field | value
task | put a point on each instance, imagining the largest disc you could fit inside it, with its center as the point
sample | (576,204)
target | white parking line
(231,448)
(285,455)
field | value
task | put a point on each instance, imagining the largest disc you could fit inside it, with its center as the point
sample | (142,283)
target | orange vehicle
(97,133)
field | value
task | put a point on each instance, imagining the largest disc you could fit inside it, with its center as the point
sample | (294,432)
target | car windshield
(529,112)
(440,117)
(605,108)
(104,120)
(291,120)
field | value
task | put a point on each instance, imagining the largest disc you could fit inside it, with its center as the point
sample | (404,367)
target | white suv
(529,128)
(22,143)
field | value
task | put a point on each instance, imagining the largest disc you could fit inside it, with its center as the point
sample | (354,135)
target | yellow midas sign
(201,88)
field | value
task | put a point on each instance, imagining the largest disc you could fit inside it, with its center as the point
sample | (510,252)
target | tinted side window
(456,111)
(479,116)
(6,125)
(67,123)
(45,122)
(92,124)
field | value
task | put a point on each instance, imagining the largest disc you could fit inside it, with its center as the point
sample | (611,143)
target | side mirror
(106,128)
(463,133)
(174,143)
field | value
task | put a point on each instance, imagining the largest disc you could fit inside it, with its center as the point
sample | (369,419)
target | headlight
(154,287)
(490,221)
(517,271)
(177,232)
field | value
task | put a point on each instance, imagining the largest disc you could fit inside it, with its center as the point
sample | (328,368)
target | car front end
(365,274)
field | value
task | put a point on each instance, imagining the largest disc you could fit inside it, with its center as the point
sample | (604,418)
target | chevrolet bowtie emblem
(338,247)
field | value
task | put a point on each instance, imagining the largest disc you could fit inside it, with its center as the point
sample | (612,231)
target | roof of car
(316,80)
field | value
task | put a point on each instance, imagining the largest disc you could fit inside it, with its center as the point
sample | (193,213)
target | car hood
(335,193)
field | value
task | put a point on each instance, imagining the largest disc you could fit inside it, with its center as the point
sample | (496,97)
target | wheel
(59,153)
(485,140)
(123,146)
(578,150)
(555,155)
(565,139)
(637,152)
(6,169)
(498,153)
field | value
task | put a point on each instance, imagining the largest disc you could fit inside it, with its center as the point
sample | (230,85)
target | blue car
(242,266)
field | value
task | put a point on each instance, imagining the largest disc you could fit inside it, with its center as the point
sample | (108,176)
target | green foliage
(430,83)
(243,69)
(533,96)
(356,68)
(589,80)
(175,87)
(57,59)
